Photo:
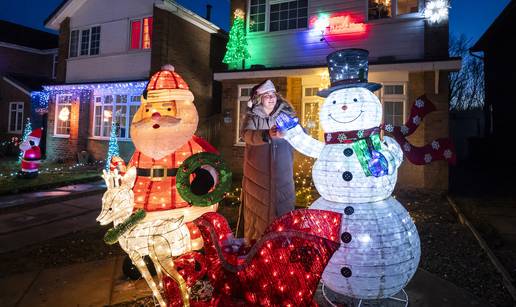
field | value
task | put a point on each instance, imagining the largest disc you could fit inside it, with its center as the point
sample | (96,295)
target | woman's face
(269,100)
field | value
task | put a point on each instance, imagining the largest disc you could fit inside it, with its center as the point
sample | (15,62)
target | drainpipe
(208,12)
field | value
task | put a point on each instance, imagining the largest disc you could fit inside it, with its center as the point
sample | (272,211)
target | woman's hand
(275,133)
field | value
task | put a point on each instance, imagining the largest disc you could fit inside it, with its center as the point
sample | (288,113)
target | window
(279,15)
(288,15)
(257,16)
(393,97)
(16,117)
(141,33)
(407,7)
(118,107)
(310,112)
(378,9)
(85,42)
(63,110)
(244,94)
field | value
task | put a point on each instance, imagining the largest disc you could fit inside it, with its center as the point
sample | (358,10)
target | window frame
(237,140)
(268,4)
(56,115)
(394,11)
(129,41)
(80,41)
(394,98)
(128,117)
(17,103)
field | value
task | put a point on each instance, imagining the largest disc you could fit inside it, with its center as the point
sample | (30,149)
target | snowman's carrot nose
(344,107)
(156,116)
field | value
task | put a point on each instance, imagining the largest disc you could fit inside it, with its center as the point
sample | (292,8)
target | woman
(268,184)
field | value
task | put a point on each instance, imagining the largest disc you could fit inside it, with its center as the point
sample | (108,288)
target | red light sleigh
(283,268)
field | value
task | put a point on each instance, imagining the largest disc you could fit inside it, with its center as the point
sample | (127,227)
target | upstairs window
(378,9)
(141,33)
(277,15)
(16,117)
(85,42)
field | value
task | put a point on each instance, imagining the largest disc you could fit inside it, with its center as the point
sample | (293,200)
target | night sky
(471,17)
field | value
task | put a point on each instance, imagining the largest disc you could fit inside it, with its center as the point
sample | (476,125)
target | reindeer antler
(112,179)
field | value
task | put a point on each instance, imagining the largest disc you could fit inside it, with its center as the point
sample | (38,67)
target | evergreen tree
(113,149)
(27,130)
(236,49)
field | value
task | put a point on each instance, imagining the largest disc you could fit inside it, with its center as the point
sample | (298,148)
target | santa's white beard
(157,143)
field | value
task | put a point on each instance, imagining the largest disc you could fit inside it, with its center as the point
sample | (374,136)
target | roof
(506,21)
(16,34)
(69,7)
(28,83)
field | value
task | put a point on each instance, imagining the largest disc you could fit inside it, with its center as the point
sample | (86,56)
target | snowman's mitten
(285,122)
(303,142)
(392,151)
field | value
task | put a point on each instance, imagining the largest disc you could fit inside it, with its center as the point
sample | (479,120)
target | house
(107,52)
(499,68)
(28,59)
(289,40)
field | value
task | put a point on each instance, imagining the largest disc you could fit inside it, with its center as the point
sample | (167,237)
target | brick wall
(9,94)
(435,125)
(64,42)
(66,148)
(193,52)
(28,63)
(98,149)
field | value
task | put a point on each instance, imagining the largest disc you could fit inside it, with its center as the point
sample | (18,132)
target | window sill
(276,33)
(239,144)
(61,136)
(399,18)
(14,132)
(102,138)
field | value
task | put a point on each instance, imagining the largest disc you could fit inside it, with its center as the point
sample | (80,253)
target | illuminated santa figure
(31,158)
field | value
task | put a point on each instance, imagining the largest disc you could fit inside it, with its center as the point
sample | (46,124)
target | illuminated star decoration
(436,11)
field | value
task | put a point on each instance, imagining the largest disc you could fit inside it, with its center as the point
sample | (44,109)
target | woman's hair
(257,100)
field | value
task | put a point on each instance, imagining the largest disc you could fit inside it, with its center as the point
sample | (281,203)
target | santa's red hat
(35,134)
(167,85)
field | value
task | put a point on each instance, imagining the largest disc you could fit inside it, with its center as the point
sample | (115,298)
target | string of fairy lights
(55,170)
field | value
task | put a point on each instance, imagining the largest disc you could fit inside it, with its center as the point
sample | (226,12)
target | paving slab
(127,290)
(15,287)
(424,290)
(85,284)
(18,239)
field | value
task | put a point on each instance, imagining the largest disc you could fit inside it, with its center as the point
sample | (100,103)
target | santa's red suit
(31,153)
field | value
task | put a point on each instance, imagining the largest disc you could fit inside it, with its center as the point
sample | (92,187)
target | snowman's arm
(393,152)
(304,143)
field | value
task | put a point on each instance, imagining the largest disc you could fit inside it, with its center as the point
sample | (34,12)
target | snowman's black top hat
(348,68)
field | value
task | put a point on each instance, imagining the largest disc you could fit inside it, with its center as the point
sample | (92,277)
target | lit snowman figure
(355,173)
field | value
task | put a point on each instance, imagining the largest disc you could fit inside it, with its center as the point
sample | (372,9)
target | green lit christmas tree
(26,131)
(113,149)
(236,49)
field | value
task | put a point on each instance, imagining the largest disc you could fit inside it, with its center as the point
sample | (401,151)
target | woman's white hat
(262,88)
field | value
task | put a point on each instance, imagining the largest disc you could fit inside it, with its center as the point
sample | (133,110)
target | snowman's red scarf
(439,149)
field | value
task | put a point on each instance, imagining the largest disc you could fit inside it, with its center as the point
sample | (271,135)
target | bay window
(114,108)
(141,33)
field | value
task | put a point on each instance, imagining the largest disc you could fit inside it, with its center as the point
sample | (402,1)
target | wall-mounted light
(227,117)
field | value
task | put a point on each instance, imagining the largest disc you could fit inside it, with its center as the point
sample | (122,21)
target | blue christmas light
(378,165)
(113,149)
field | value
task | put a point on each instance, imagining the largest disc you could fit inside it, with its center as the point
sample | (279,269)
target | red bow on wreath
(440,149)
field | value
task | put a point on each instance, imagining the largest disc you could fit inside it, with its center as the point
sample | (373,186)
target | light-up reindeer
(143,234)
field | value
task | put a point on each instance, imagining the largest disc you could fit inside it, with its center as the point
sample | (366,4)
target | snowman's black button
(346,237)
(349,210)
(347,176)
(346,272)
(348,152)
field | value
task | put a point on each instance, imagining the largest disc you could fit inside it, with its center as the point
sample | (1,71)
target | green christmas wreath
(190,165)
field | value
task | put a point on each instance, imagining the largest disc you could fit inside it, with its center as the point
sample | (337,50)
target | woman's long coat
(268,185)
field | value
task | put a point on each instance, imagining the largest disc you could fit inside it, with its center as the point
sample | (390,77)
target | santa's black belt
(158,172)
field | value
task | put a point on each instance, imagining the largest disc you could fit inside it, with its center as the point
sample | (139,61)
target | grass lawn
(51,175)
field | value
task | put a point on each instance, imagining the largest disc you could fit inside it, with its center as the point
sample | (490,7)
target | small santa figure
(31,157)
(163,134)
